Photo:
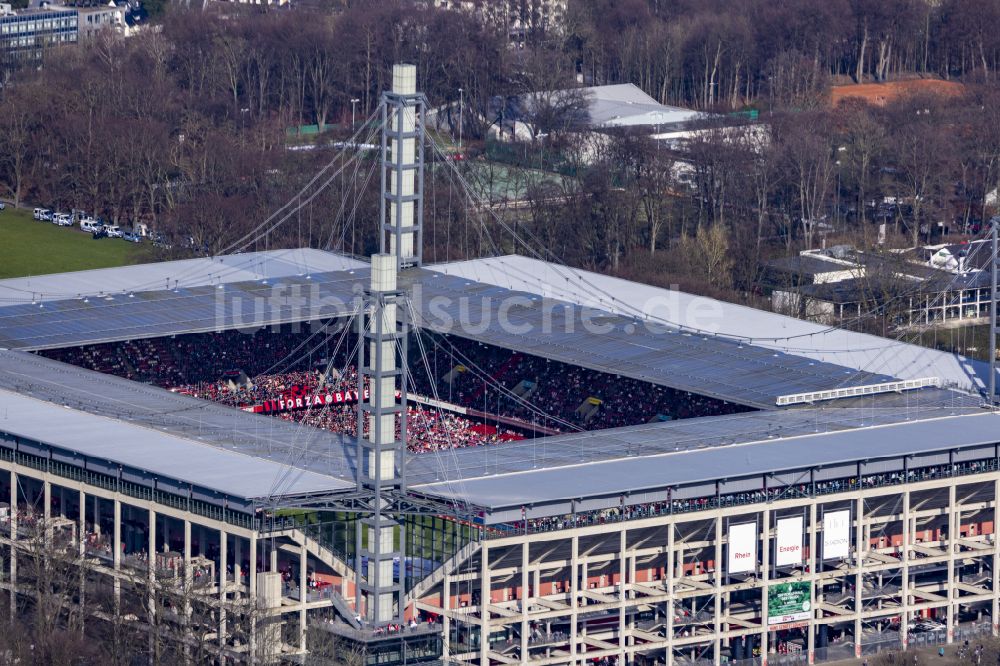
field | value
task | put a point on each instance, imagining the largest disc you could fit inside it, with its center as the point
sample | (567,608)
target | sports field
(28,247)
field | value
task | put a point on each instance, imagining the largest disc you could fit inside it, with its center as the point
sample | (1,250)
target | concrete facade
(656,590)
(238,583)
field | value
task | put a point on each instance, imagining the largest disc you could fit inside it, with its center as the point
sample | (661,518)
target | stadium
(499,460)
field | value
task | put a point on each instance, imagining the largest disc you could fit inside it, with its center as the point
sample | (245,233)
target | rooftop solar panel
(185,273)
(632,474)
(136,446)
(705,363)
(277,441)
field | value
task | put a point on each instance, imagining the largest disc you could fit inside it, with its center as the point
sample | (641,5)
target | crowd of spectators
(238,392)
(527,391)
(427,429)
(200,357)
(778,492)
(555,395)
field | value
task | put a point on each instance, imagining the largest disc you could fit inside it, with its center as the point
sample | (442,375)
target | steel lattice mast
(380,535)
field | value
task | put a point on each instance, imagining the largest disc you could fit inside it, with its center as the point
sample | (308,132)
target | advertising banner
(742,548)
(837,534)
(789,602)
(306,401)
(788,550)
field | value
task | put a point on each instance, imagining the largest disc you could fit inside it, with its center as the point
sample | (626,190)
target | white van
(89,225)
(62,220)
(114,231)
(40,214)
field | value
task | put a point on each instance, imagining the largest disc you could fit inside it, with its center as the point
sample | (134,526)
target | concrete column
(151,545)
(765,562)
(151,577)
(622,569)
(584,585)
(484,603)
(525,584)
(81,552)
(811,636)
(446,621)
(223,585)
(253,564)
(303,596)
(117,534)
(13,546)
(905,572)
(238,564)
(574,591)
(717,611)
(274,558)
(117,547)
(629,599)
(47,512)
(82,523)
(253,592)
(995,604)
(62,501)
(954,524)
(97,515)
(860,548)
(188,573)
(670,598)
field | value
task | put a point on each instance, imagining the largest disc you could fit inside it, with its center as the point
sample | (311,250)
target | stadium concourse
(598,471)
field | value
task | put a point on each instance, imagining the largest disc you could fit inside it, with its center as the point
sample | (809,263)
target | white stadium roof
(634,474)
(148,450)
(750,357)
(759,328)
(183,273)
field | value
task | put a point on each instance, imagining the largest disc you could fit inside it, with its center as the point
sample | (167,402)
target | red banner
(292,402)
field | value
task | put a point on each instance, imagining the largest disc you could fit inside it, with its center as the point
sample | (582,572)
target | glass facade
(24,36)
(430,540)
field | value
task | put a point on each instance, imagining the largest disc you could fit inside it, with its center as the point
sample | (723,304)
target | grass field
(28,247)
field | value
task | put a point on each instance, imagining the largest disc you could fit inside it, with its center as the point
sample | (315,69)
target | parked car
(62,220)
(41,214)
(114,231)
(131,237)
(89,225)
(3,206)
(924,626)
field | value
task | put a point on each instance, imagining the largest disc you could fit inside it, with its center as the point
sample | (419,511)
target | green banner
(789,602)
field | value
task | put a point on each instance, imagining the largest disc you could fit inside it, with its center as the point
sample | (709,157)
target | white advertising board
(788,550)
(837,534)
(742,548)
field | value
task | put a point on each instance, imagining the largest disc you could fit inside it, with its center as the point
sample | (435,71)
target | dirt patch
(881,94)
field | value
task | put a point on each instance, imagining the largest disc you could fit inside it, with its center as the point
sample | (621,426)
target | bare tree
(807,149)
(17,130)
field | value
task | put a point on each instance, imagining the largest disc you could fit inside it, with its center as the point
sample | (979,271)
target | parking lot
(28,247)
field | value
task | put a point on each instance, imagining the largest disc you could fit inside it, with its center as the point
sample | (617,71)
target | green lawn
(28,247)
